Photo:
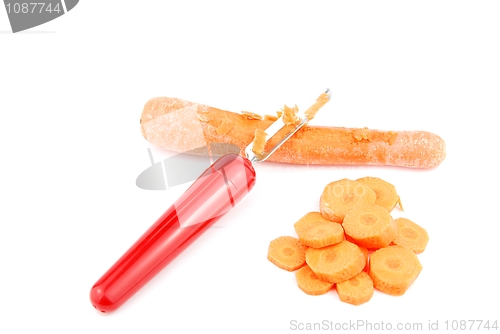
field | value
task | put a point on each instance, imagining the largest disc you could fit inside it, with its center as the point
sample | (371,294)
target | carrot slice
(336,263)
(287,253)
(357,290)
(310,283)
(411,235)
(387,196)
(370,226)
(393,269)
(316,231)
(341,196)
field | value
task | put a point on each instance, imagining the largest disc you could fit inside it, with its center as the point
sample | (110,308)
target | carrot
(341,196)
(411,235)
(393,269)
(336,263)
(310,284)
(183,126)
(357,290)
(387,196)
(370,226)
(287,253)
(315,231)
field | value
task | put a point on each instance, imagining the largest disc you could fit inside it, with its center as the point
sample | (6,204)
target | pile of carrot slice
(353,244)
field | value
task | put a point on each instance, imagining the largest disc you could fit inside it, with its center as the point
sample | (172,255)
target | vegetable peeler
(212,195)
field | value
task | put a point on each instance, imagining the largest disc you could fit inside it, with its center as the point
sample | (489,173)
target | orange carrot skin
(310,145)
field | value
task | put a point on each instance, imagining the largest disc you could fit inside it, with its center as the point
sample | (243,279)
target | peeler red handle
(213,194)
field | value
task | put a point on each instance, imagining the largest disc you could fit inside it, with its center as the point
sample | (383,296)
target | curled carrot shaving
(259,141)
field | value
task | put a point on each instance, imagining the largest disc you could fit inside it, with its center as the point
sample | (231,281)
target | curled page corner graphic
(25,15)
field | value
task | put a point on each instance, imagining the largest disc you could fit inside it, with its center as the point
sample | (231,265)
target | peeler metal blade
(304,116)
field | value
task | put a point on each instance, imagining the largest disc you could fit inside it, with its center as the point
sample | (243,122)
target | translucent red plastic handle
(213,194)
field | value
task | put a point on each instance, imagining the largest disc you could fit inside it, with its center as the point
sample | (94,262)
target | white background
(71,94)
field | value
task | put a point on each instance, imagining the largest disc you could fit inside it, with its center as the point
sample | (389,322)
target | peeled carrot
(411,235)
(287,253)
(183,126)
(341,196)
(370,226)
(310,283)
(357,290)
(315,231)
(393,269)
(387,196)
(336,263)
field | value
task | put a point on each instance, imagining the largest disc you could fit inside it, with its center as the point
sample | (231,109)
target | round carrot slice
(370,226)
(310,283)
(341,196)
(315,231)
(411,235)
(357,290)
(287,253)
(336,263)
(387,196)
(393,269)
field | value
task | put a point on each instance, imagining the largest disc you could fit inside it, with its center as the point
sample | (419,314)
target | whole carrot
(182,126)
